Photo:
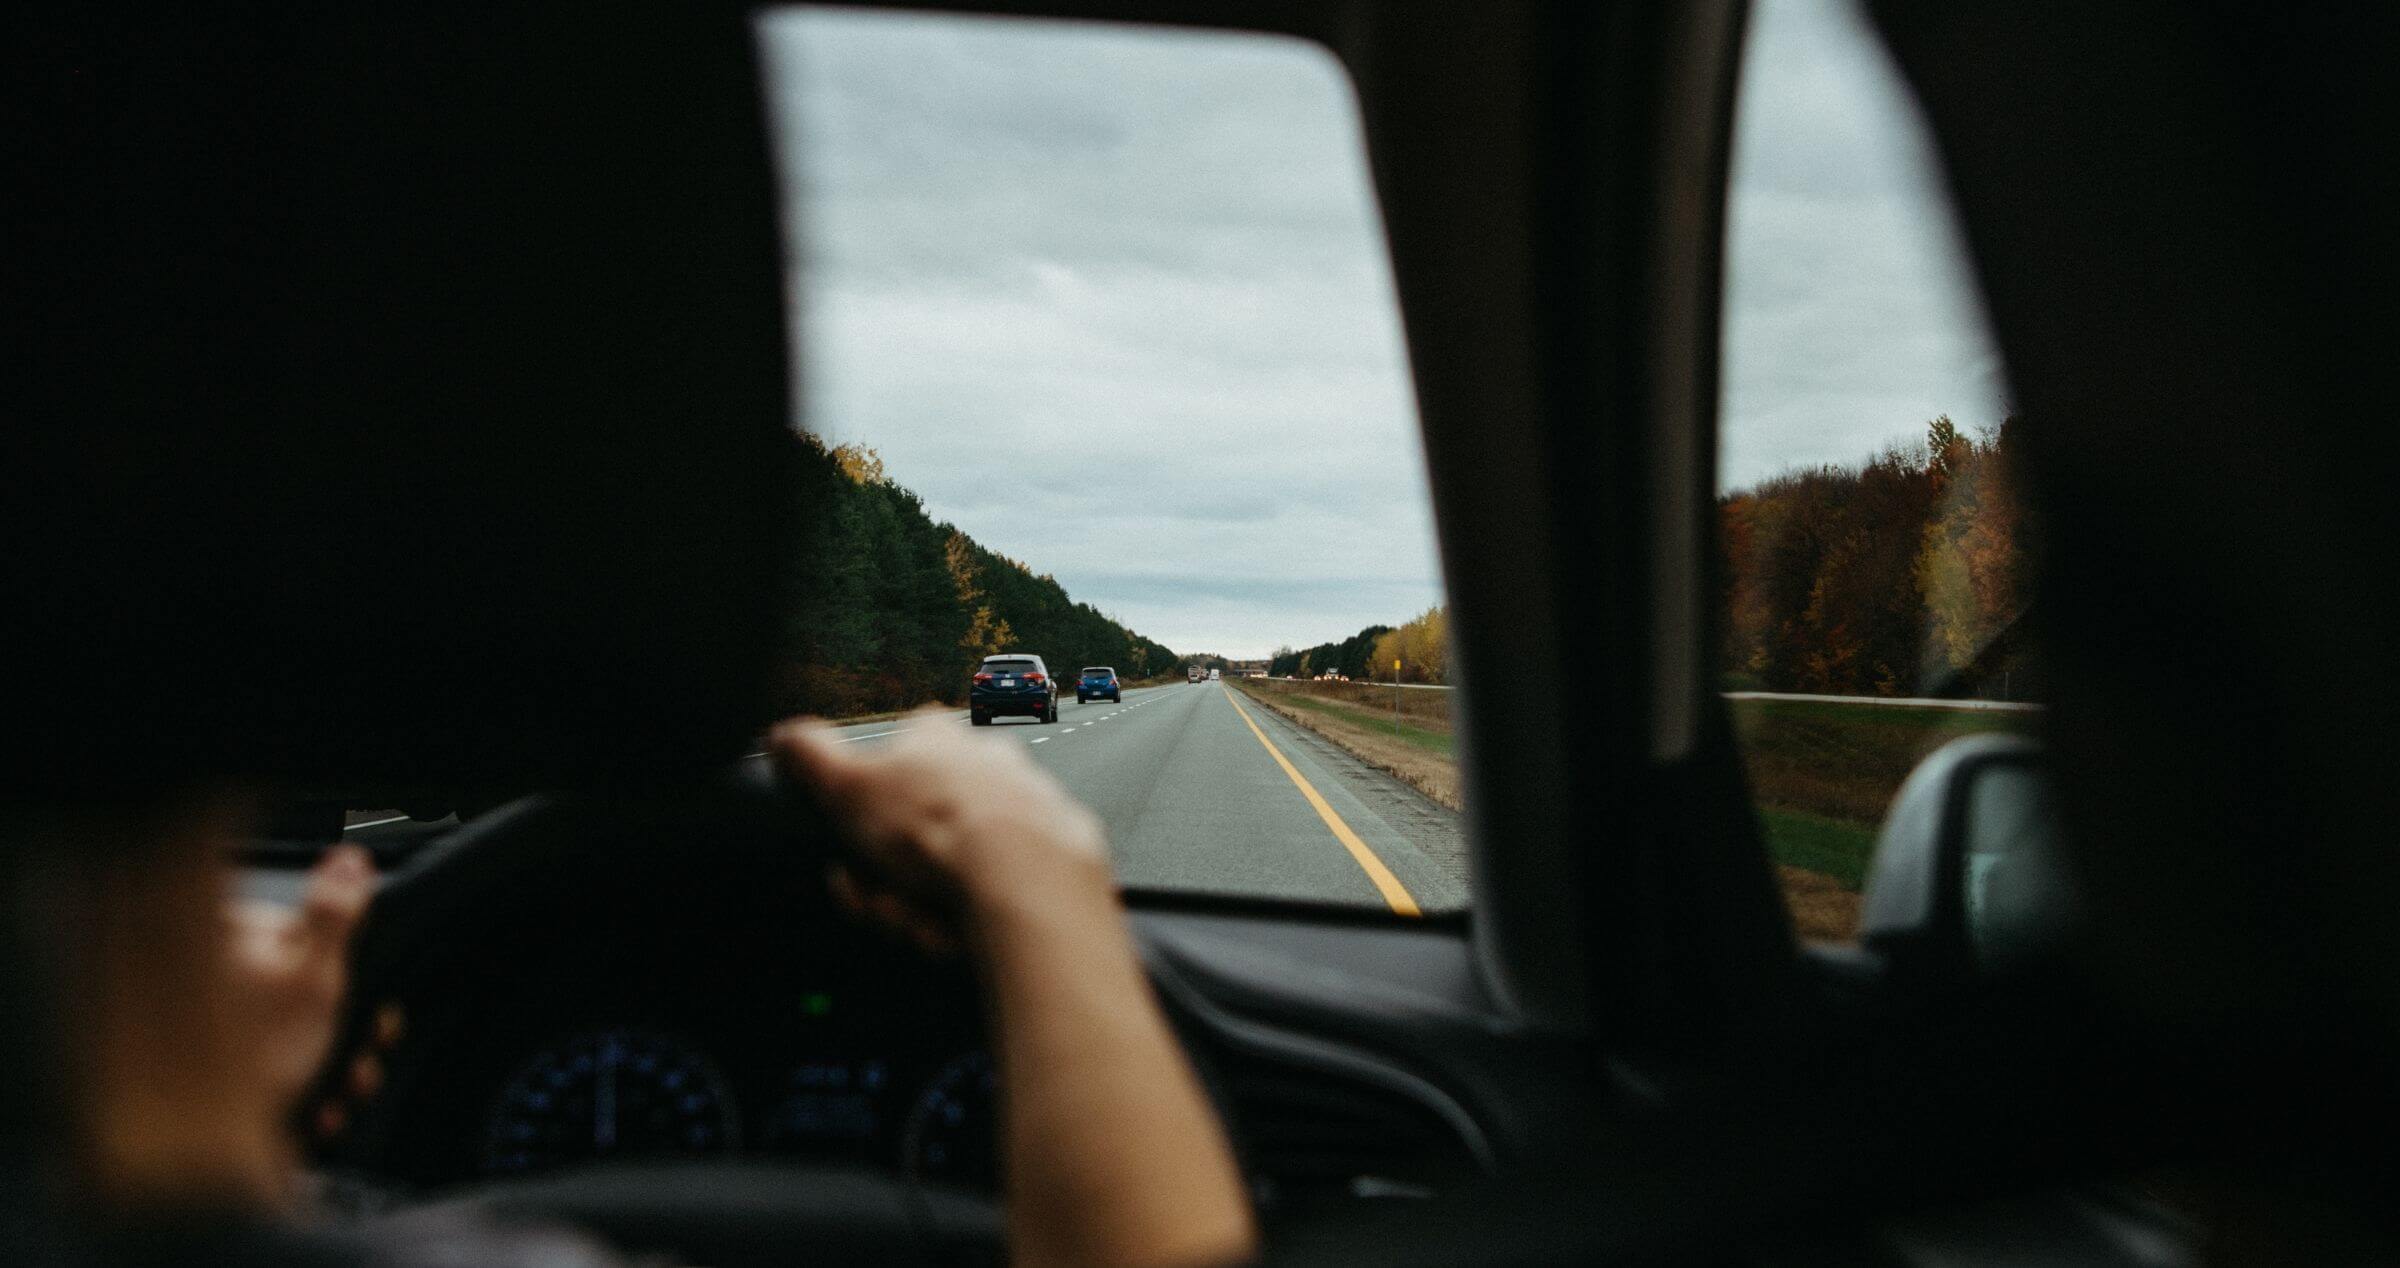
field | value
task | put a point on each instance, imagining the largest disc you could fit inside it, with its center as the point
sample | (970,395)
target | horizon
(1041,239)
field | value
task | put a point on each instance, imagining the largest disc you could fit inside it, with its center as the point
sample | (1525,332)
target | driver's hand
(287,968)
(1111,1151)
(206,1029)
(951,828)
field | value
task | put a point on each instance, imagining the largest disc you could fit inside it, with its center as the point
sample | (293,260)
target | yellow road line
(1389,885)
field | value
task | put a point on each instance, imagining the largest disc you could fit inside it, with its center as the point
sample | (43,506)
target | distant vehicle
(1195,672)
(1215,674)
(1012,684)
(1098,681)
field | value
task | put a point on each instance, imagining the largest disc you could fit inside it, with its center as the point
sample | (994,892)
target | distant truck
(1215,674)
(1195,672)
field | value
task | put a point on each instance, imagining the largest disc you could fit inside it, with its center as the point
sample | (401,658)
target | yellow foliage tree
(861,464)
(986,634)
(1967,565)
(1422,647)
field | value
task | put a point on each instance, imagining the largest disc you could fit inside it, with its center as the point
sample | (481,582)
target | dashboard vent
(1311,1140)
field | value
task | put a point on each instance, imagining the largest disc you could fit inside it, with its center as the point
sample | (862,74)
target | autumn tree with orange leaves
(1891,578)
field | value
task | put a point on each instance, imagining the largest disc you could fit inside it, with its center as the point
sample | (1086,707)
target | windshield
(1018,244)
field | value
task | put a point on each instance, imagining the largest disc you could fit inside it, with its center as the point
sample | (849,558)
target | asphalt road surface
(1202,789)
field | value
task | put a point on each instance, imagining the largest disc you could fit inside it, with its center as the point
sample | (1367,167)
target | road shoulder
(1436,834)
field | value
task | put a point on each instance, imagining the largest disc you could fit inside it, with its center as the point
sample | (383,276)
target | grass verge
(1374,723)
(1844,761)
(1418,756)
(1823,773)
(1836,849)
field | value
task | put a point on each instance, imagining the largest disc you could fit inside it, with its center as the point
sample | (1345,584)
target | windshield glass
(1017,244)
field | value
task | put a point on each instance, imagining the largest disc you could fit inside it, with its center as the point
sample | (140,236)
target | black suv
(1012,684)
(1099,681)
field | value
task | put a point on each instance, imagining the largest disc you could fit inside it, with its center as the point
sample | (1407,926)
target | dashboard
(589,991)
(650,1021)
(625,1093)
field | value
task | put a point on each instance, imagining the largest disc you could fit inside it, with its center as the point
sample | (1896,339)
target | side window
(1875,553)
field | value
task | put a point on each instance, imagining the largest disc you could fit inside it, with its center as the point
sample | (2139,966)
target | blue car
(1097,682)
(1012,684)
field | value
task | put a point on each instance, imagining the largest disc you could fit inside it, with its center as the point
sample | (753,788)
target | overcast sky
(1033,252)
(1850,318)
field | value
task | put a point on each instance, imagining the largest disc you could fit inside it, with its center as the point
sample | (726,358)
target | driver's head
(398,406)
(397,400)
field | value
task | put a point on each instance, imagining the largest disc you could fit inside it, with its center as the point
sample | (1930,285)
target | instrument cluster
(621,1093)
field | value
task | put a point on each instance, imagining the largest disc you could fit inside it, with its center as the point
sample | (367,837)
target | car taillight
(983,677)
(1035,678)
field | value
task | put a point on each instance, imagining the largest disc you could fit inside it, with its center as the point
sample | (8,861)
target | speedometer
(954,1128)
(610,1094)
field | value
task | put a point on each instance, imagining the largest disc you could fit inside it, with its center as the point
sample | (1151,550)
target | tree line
(1422,646)
(890,608)
(1902,576)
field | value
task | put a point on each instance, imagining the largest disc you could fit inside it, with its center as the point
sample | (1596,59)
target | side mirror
(1969,878)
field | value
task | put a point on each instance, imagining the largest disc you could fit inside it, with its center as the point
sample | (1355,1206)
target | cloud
(1850,316)
(1115,301)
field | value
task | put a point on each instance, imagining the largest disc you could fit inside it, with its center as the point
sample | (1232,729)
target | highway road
(1200,790)
(1203,790)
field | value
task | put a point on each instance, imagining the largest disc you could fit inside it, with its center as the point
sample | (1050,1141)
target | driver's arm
(1111,1152)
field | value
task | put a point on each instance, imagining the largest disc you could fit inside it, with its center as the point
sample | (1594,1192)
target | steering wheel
(751,828)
